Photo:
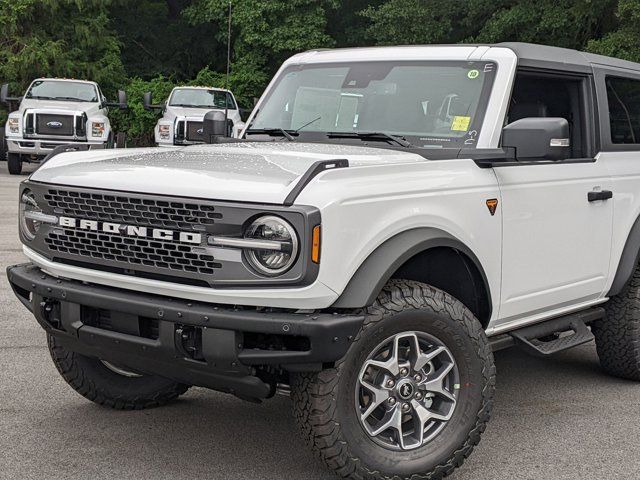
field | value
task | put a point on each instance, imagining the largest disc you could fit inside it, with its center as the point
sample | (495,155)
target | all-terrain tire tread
(314,398)
(618,333)
(68,366)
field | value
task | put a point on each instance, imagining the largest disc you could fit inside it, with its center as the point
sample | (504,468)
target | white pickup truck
(55,112)
(183,114)
(388,218)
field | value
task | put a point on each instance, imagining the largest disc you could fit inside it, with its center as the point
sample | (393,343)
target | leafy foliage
(158,44)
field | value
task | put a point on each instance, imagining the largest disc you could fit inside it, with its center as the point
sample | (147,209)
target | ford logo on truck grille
(54,124)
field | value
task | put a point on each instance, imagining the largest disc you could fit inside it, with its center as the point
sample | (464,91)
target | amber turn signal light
(315,245)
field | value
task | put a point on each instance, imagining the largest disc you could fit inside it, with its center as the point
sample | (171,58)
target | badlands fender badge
(492,205)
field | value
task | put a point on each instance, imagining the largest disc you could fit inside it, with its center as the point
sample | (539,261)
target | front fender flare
(367,282)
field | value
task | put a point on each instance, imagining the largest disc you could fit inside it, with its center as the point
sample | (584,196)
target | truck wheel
(112,385)
(411,397)
(14,163)
(121,140)
(3,145)
(618,333)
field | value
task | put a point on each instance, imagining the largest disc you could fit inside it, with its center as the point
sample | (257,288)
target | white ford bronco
(389,218)
(183,114)
(57,112)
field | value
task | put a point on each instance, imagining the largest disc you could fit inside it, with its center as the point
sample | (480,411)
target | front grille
(132,210)
(131,254)
(194,132)
(53,124)
(133,251)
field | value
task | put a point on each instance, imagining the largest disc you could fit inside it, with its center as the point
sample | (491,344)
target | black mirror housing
(122,100)
(4,93)
(147,99)
(538,138)
(215,126)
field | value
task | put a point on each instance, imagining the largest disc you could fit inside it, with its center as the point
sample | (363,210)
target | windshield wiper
(73,99)
(270,131)
(41,97)
(381,135)
(190,105)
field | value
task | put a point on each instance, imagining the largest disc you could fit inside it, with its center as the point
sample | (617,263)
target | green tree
(65,38)
(624,41)
(264,33)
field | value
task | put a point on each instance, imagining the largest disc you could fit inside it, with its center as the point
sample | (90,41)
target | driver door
(556,237)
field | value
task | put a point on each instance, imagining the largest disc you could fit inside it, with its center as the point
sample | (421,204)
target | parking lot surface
(557,418)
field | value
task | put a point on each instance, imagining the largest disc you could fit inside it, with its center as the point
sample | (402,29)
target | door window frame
(601,74)
(589,106)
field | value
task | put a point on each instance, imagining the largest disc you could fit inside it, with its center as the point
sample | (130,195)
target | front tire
(618,333)
(3,145)
(14,163)
(111,385)
(411,397)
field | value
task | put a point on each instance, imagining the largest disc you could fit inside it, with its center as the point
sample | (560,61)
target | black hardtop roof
(541,56)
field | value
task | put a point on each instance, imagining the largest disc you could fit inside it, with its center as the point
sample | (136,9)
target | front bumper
(42,147)
(191,342)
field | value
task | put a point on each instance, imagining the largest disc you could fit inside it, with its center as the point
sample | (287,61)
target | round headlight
(29,205)
(280,245)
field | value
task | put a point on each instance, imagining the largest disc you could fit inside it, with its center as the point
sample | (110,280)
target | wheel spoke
(393,420)
(380,395)
(424,358)
(436,384)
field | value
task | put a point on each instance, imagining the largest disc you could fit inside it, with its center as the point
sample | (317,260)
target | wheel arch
(628,260)
(428,255)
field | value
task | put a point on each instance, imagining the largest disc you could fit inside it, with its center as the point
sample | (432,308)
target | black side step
(529,338)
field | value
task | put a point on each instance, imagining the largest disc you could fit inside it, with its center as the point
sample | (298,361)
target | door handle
(594,196)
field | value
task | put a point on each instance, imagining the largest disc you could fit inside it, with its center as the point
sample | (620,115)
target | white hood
(28,103)
(251,172)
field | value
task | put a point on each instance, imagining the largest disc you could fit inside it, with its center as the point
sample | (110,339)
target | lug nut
(392,400)
(390,383)
(404,372)
(417,377)
(419,396)
(405,407)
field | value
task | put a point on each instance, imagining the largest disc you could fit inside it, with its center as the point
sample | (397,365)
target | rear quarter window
(623,97)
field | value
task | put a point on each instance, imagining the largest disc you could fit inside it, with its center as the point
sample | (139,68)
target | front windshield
(62,90)
(200,98)
(431,104)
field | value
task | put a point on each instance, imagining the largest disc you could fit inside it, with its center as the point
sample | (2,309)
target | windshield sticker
(472,74)
(460,124)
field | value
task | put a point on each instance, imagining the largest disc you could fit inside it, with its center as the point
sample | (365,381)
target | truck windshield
(200,98)
(63,90)
(428,103)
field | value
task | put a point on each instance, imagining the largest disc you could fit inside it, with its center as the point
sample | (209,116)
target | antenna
(226,81)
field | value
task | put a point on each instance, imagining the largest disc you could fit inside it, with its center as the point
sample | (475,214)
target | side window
(623,96)
(547,95)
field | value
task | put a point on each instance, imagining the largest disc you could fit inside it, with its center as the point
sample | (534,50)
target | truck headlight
(281,245)
(97,129)
(164,131)
(29,212)
(14,125)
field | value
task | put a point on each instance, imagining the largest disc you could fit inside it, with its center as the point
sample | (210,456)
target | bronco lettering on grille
(130,230)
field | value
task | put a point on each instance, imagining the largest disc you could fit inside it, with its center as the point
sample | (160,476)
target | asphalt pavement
(556,418)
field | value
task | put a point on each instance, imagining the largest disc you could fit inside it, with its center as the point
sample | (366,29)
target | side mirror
(4,93)
(215,126)
(538,138)
(122,101)
(146,100)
